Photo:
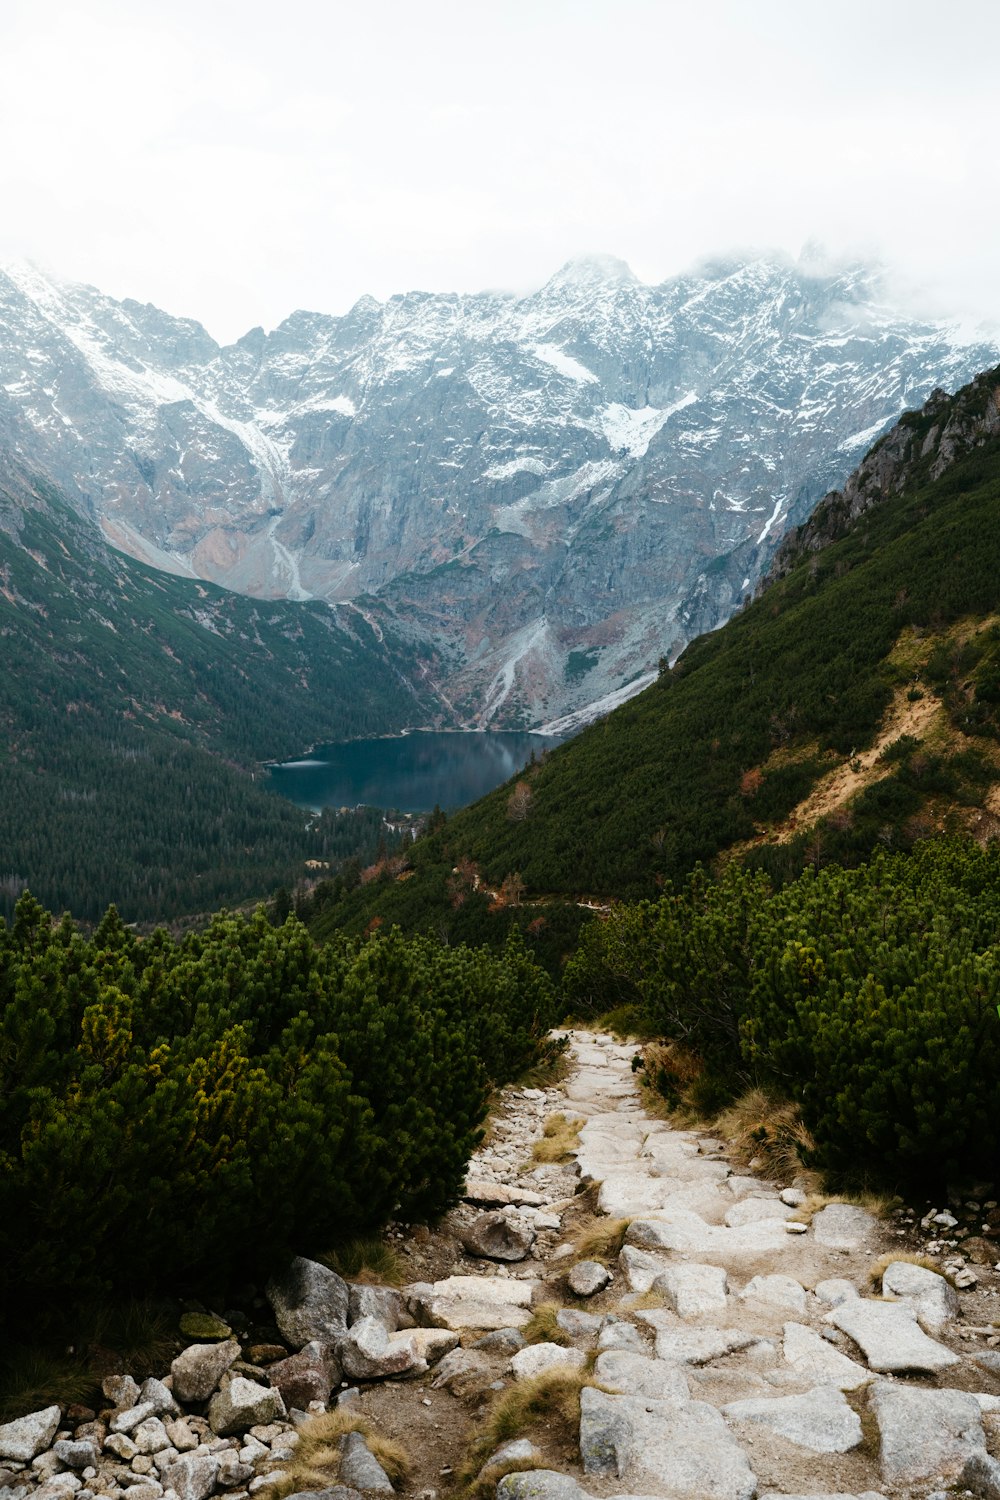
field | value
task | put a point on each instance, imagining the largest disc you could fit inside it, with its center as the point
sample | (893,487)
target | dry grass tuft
(137,1335)
(587,1197)
(758,1125)
(551,1399)
(316,1462)
(877,1204)
(32,1379)
(880,1266)
(393,1457)
(559,1138)
(626,1023)
(482,1486)
(547,1073)
(543,1327)
(647,1301)
(369,1260)
(812,1205)
(880,1205)
(602,1241)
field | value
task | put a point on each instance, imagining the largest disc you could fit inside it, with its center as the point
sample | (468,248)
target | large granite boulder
(310,1302)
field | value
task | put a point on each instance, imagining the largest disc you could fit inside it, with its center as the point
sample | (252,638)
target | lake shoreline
(413,771)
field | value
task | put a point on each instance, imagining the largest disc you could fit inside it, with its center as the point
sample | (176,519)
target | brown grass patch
(877,1204)
(587,1197)
(880,1266)
(543,1327)
(602,1241)
(316,1462)
(760,1126)
(559,1138)
(483,1485)
(554,1068)
(368,1260)
(669,1076)
(647,1302)
(550,1400)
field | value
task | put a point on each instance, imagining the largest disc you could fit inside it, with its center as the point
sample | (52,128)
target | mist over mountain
(554,490)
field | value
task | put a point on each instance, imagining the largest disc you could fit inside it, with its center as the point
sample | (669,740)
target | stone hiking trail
(732,1352)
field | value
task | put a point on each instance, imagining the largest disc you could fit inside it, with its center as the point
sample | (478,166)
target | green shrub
(875,1006)
(685,960)
(868,996)
(176,1113)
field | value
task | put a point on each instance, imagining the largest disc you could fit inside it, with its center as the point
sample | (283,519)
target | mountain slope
(554,490)
(134,706)
(854,702)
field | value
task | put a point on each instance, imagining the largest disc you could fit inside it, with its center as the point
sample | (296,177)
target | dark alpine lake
(414,773)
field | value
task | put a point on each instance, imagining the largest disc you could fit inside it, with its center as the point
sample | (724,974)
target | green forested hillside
(134,706)
(896,610)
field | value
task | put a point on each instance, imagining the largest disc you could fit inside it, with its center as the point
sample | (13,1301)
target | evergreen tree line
(176,1114)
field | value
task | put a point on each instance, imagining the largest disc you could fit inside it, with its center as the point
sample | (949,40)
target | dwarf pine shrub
(176,1113)
(868,996)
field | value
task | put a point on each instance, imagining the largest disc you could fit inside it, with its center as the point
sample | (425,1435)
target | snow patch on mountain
(564,363)
(867,436)
(526,464)
(526,643)
(572,723)
(630,430)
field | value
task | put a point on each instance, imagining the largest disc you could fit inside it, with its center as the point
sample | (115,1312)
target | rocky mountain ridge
(555,490)
(922,446)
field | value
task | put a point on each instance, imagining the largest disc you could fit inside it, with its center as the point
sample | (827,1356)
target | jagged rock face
(556,489)
(918,448)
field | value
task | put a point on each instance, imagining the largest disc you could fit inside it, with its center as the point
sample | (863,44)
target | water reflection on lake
(413,773)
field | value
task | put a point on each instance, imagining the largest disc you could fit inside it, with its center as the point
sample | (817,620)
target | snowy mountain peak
(586,272)
(552,491)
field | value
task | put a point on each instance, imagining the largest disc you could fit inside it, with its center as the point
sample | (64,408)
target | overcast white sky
(232,160)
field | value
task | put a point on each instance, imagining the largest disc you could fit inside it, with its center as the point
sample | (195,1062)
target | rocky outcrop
(921,447)
(497,1237)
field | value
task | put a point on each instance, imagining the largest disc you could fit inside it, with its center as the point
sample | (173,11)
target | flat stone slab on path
(537,1358)
(925,1435)
(819,1420)
(776,1291)
(679,1230)
(694,1346)
(641,1267)
(839,1495)
(843,1226)
(631,1374)
(685,1452)
(890,1336)
(486,1302)
(754,1210)
(693,1290)
(501,1195)
(933,1299)
(813,1358)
